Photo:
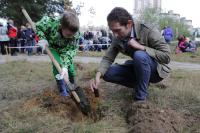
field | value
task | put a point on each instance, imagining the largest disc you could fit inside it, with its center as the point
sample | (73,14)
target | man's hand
(95,82)
(43,43)
(134,44)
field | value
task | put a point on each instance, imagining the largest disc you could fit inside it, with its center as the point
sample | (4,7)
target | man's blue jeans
(135,73)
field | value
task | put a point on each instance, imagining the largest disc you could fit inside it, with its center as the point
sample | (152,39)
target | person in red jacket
(39,49)
(185,45)
(12,34)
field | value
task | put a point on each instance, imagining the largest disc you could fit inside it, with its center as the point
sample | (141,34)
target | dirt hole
(64,106)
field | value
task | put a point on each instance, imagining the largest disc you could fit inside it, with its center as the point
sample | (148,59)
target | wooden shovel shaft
(28,18)
(60,70)
(6,50)
(52,58)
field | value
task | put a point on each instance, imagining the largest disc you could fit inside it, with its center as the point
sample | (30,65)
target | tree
(12,9)
(153,16)
(56,6)
(35,8)
(150,15)
(177,26)
(78,8)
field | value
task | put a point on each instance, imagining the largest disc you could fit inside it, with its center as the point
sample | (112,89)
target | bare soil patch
(145,117)
(63,106)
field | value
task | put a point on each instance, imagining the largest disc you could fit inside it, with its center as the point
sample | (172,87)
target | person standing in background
(4,39)
(12,34)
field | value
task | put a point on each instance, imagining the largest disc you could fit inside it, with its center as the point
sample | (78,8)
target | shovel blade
(84,104)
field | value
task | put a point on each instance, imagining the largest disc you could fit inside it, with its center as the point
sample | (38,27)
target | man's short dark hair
(69,20)
(119,14)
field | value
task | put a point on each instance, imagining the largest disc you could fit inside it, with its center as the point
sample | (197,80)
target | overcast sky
(186,8)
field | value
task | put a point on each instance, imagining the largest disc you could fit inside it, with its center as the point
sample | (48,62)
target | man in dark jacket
(30,35)
(144,44)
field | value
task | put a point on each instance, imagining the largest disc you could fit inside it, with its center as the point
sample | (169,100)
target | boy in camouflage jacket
(61,34)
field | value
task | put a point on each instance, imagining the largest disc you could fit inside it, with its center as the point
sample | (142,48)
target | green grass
(187,57)
(183,57)
(98,54)
(20,81)
(182,92)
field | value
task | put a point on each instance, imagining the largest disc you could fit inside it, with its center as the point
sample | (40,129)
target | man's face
(120,31)
(67,33)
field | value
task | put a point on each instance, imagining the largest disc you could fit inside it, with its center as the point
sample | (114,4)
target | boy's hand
(64,73)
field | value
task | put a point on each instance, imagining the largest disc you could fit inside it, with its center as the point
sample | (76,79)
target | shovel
(77,93)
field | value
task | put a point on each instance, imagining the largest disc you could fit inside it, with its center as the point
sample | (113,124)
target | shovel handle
(6,47)
(28,18)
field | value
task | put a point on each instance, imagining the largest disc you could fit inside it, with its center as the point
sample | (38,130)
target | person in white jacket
(4,39)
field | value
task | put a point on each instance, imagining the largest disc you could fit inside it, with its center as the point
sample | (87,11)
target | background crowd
(15,40)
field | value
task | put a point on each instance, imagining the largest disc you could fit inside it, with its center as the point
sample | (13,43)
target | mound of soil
(146,118)
(63,106)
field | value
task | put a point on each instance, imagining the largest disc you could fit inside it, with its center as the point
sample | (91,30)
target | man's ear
(130,23)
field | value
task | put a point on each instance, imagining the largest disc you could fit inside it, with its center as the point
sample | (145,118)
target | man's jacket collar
(137,28)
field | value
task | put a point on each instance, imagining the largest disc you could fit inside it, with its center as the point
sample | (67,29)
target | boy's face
(67,33)
(120,31)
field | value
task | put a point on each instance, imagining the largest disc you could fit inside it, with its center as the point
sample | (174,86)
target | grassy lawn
(97,54)
(184,57)
(22,81)
(187,57)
